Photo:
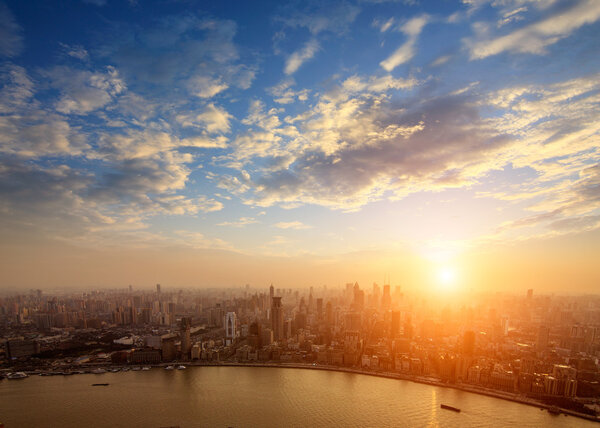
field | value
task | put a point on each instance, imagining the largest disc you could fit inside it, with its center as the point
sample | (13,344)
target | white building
(230,327)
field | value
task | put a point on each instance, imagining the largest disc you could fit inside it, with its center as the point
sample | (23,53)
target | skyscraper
(542,338)
(186,344)
(277,319)
(230,327)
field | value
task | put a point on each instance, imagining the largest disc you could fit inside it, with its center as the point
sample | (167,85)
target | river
(254,397)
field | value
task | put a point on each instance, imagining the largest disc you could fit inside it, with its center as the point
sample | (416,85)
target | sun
(446,278)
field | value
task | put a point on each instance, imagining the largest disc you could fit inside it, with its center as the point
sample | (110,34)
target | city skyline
(443,145)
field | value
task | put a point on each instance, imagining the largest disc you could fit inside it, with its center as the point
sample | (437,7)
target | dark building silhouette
(277,319)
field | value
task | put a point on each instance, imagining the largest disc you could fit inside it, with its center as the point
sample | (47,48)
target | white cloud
(213,119)
(284,94)
(83,91)
(441,60)
(207,87)
(26,129)
(535,38)
(383,26)
(299,57)
(406,51)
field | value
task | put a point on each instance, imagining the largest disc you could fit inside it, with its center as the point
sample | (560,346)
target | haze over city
(441,145)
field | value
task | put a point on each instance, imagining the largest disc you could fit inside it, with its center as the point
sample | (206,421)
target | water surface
(254,397)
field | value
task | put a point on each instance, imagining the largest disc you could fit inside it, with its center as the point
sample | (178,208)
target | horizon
(441,144)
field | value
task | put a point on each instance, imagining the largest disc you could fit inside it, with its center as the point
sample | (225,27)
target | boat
(181,367)
(136,369)
(98,371)
(99,384)
(145,368)
(17,375)
(169,368)
(447,407)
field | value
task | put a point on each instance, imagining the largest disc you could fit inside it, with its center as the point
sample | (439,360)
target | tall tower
(186,342)
(230,328)
(277,319)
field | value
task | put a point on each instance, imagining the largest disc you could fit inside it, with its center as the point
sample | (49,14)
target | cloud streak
(295,60)
(536,37)
(406,51)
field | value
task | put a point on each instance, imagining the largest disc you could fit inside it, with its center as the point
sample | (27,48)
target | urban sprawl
(537,349)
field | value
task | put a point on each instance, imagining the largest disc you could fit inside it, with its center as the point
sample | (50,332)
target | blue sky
(299,128)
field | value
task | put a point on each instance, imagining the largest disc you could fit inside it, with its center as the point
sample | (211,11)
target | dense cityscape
(537,349)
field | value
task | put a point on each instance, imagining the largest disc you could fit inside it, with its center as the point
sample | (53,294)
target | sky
(197,143)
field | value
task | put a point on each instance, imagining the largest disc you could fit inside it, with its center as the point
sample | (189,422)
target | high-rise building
(230,327)
(185,327)
(277,319)
(359,298)
(542,338)
(319,309)
(255,335)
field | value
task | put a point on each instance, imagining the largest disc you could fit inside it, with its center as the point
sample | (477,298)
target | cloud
(284,94)
(153,54)
(333,17)
(295,60)
(27,130)
(297,225)
(11,40)
(82,91)
(355,145)
(383,26)
(536,37)
(206,86)
(441,60)
(181,205)
(213,119)
(75,51)
(412,28)
(243,221)
(17,88)
(39,134)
